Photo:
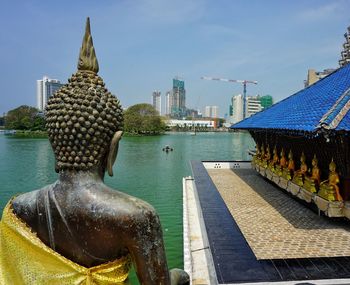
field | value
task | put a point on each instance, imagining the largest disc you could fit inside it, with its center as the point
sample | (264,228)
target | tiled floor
(274,224)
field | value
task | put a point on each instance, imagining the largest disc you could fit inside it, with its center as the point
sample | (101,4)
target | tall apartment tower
(157,101)
(168,103)
(45,88)
(253,105)
(211,111)
(236,111)
(178,108)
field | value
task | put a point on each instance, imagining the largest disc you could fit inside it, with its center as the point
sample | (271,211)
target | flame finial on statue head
(87,56)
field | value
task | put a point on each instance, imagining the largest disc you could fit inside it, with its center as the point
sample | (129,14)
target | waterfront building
(253,105)
(345,54)
(211,111)
(157,101)
(200,123)
(178,99)
(45,88)
(193,113)
(313,75)
(303,143)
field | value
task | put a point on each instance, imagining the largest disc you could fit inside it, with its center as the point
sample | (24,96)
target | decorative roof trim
(336,113)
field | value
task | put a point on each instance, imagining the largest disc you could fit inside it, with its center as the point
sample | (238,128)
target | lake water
(142,169)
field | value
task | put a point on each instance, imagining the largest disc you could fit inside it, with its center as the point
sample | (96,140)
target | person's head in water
(83,119)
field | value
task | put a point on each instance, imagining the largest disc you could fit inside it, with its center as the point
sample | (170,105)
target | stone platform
(254,233)
(274,224)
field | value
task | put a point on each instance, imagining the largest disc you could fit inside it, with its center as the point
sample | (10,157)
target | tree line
(139,119)
(143,119)
(25,118)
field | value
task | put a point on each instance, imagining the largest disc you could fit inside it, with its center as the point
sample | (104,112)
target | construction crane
(244,82)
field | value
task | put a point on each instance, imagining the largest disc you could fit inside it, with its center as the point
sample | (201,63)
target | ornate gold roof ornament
(87,56)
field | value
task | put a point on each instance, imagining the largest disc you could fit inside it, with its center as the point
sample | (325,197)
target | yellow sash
(25,259)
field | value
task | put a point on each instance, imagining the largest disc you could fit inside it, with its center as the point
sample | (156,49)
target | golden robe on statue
(25,259)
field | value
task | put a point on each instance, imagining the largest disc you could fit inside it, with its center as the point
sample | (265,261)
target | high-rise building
(45,88)
(157,101)
(314,76)
(168,103)
(211,111)
(253,105)
(345,54)
(178,102)
(266,101)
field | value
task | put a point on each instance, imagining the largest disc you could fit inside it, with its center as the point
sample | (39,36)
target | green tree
(24,118)
(143,119)
(38,124)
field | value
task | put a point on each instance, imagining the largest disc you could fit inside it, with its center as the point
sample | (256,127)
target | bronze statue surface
(78,216)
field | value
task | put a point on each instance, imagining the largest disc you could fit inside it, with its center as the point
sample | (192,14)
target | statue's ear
(113,150)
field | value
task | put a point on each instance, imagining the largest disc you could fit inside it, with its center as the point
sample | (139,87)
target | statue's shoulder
(25,205)
(29,198)
(126,205)
(128,201)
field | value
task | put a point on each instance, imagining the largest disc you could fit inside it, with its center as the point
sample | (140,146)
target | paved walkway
(274,224)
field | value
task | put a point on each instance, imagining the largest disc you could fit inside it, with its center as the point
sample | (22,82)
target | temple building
(303,143)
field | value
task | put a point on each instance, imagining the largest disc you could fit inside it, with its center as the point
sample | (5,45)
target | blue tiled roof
(324,104)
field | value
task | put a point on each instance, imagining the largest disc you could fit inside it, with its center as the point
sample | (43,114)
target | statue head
(302,158)
(314,160)
(83,119)
(332,166)
(290,154)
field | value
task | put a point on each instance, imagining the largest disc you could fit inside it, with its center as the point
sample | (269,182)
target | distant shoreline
(27,134)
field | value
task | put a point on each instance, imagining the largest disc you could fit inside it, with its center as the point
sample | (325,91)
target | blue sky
(142,44)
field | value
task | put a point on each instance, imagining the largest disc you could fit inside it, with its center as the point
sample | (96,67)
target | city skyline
(272,42)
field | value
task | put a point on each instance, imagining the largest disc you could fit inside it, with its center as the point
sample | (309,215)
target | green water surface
(142,169)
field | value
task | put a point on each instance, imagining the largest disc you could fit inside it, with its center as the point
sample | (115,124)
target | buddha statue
(282,164)
(312,182)
(78,230)
(298,177)
(329,188)
(267,157)
(289,170)
(275,159)
(262,155)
